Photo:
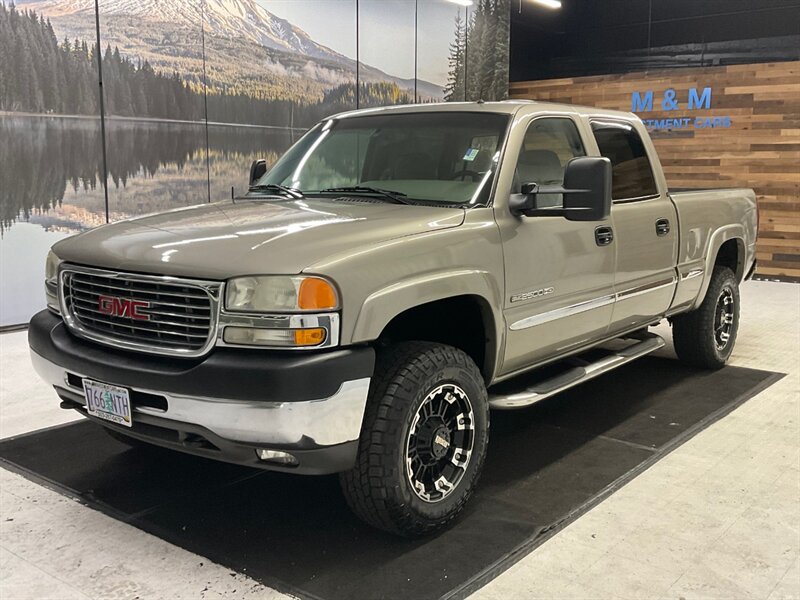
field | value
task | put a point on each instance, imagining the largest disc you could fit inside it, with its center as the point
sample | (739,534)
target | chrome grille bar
(160,329)
(86,304)
(159,302)
(89,286)
(144,313)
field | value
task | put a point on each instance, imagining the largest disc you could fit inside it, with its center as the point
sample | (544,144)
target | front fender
(385,304)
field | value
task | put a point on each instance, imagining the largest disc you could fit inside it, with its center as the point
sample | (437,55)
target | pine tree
(501,49)
(485,80)
(454,88)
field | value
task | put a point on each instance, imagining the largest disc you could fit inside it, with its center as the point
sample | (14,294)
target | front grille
(139,312)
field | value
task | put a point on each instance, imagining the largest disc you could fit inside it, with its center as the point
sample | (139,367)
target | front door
(645,225)
(559,278)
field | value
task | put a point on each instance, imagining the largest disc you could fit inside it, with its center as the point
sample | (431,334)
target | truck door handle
(603,236)
(662,227)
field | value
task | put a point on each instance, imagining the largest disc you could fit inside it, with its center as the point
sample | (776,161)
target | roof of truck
(504,107)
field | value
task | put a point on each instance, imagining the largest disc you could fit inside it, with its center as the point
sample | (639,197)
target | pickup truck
(388,281)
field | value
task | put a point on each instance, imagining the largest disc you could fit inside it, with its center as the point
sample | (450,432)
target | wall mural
(193,91)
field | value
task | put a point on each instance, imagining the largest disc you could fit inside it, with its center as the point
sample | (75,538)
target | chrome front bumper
(321,434)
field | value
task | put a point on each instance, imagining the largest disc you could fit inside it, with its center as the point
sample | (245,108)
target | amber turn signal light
(309,337)
(316,294)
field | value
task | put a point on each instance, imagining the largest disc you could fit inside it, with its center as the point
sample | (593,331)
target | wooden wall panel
(760,150)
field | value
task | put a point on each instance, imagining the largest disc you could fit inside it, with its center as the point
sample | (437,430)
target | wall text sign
(696,99)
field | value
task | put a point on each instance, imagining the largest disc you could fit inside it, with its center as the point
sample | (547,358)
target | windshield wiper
(274,187)
(396,197)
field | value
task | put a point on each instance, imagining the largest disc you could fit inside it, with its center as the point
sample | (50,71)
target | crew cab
(387,282)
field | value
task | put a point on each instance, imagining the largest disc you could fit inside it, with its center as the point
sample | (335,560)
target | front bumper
(225,405)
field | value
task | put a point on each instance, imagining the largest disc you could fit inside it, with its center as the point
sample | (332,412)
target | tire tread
(371,487)
(693,332)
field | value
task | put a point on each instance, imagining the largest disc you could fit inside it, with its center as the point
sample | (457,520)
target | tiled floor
(717,518)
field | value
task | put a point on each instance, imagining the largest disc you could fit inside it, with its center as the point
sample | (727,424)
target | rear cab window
(632,174)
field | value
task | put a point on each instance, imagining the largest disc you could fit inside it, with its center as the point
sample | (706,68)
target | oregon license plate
(108,402)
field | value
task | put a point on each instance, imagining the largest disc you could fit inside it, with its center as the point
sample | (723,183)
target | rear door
(645,228)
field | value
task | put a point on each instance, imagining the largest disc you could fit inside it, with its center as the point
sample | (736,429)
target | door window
(548,145)
(632,175)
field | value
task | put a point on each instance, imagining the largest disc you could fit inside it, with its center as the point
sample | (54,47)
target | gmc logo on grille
(123,307)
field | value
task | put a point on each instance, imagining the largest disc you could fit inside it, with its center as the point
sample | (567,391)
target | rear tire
(705,336)
(423,440)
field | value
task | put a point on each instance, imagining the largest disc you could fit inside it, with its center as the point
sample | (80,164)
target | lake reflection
(51,183)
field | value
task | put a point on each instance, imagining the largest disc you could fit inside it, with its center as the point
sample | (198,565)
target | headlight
(51,281)
(280,311)
(280,294)
(51,266)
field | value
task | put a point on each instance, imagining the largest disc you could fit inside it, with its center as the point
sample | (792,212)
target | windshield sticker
(471,154)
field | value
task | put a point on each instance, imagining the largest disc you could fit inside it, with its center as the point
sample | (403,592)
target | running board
(549,387)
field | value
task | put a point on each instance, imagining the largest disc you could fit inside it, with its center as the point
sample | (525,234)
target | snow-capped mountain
(250,20)
(242,19)
(246,45)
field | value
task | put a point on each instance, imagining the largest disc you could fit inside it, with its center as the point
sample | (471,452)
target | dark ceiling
(594,37)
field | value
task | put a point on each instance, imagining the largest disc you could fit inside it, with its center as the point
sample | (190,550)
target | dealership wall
(740,59)
(754,142)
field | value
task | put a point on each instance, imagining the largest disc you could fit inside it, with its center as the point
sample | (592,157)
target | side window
(632,175)
(548,145)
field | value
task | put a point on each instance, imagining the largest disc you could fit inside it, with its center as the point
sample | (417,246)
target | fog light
(276,456)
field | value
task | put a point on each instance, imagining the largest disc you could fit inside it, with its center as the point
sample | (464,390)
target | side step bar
(549,387)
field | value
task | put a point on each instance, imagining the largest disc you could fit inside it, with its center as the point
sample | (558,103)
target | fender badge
(532,294)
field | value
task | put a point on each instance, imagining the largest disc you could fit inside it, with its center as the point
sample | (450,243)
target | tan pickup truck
(377,290)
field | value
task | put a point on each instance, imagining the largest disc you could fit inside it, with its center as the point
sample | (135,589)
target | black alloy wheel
(423,440)
(723,321)
(440,441)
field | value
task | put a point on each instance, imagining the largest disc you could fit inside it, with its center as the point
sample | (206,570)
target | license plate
(108,402)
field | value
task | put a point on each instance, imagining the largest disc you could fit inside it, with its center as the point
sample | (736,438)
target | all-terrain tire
(379,488)
(698,334)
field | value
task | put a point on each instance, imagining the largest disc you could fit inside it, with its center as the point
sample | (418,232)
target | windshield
(432,157)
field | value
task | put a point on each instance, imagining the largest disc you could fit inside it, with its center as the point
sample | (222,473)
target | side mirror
(257,170)
(586,190)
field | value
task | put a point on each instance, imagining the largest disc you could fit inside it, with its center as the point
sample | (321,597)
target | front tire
(423,441)
(705,336)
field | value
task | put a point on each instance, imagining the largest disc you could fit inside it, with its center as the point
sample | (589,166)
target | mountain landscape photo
(249,52)
(195,90)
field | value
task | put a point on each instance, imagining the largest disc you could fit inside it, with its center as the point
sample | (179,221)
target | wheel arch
(454,308)
(726,247)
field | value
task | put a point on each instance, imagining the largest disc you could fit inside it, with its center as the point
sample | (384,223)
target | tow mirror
(257,170)
(586,192)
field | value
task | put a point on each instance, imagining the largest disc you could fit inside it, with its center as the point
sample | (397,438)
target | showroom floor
(717,518)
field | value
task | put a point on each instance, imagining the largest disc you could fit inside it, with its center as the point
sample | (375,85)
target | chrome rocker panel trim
(692,274)
(560,313)
(574,309)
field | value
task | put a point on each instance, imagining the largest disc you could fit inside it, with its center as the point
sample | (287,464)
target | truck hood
(217,241)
